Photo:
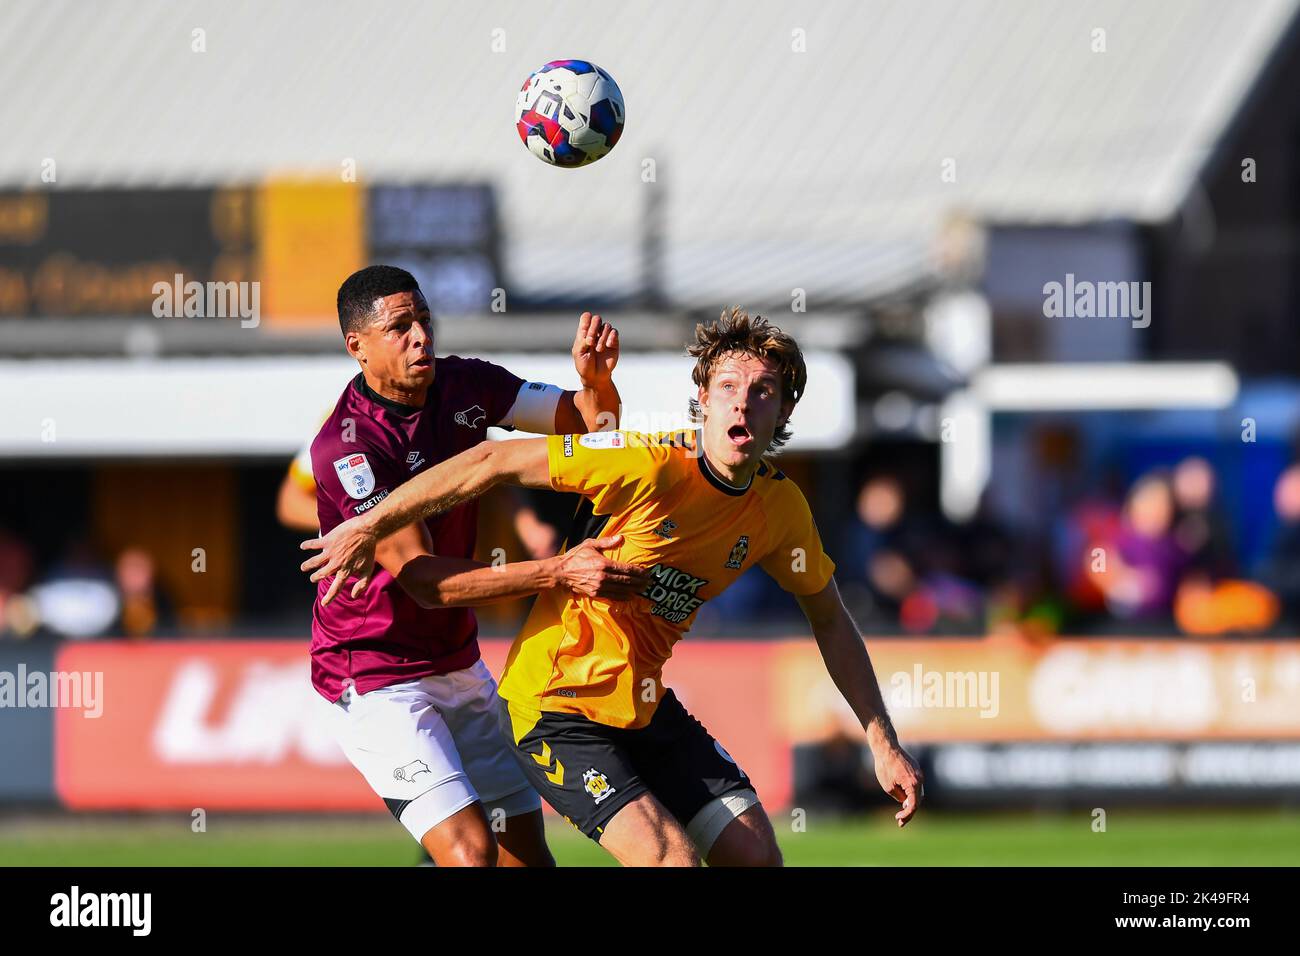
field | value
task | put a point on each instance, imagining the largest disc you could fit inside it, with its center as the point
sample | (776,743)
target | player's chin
(739,455)
(420,373)
(742,447)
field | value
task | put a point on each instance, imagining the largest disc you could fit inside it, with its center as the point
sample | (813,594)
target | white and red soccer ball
(569,113)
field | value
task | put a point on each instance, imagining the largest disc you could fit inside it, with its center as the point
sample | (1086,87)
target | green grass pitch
(1131,838)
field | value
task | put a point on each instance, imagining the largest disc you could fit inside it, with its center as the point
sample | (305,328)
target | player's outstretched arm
(850,668)
(594,407)
(437,581)
(349,549)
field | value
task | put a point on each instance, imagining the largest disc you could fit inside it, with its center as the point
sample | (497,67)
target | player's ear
(783,419)
(356,348)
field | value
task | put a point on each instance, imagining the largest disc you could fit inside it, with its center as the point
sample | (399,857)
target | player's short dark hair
(359,291)
(735,332)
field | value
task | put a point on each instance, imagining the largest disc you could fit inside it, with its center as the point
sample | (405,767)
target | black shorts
(589,771)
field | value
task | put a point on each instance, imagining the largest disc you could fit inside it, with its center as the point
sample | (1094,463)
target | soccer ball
(569,113)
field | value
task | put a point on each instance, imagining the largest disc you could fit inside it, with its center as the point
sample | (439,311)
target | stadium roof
(779,169)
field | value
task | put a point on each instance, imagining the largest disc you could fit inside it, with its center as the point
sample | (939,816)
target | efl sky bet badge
(354,471)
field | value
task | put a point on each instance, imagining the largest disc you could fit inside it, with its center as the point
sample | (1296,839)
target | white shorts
(430,747)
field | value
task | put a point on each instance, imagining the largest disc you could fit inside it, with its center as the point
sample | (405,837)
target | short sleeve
(616,470)
(497,388)
(797,562)
(352,477)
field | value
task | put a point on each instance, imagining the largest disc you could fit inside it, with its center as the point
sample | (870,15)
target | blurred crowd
(80,595)
(1158,557)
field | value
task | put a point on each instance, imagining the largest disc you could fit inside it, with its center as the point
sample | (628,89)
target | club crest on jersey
(407,772)
(666,529)
(471,417)
(355,474)
(738,552)
(597,785)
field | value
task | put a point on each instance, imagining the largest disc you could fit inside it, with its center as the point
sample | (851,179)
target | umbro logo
(666,529)
(471,417)
(415,460)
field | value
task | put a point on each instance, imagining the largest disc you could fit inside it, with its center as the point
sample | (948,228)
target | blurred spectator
(1280,568)
(1143,567)
(145,607)
(77,598)
(17,615)
(1210,601)
(1200,528)
(880,575)
(906,571)
(1089,531)
(15,565)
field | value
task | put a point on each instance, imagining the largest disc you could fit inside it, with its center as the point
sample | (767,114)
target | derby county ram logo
(408,772)
(596,784)
(738,552)
(471,417)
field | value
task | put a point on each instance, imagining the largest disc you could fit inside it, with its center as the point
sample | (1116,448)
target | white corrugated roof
(782,169)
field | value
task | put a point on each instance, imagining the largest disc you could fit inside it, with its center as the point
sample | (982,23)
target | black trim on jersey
(395,807)
(777,473)
(397,408)
(586,524)
(717,482)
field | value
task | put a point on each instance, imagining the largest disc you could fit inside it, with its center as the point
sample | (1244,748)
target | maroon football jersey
(367,447)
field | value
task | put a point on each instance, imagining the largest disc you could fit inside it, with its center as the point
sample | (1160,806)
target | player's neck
(738,476)
(412,398)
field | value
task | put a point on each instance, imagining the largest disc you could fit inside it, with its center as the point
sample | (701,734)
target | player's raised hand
(595,350)
(347,550)
(902,779)
(585,571)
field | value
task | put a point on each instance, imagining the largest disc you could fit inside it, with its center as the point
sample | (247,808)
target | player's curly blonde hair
(736,332)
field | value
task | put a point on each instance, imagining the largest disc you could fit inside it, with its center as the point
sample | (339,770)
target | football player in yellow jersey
(598,734)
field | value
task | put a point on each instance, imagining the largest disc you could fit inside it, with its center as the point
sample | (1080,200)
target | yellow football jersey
(695,532)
